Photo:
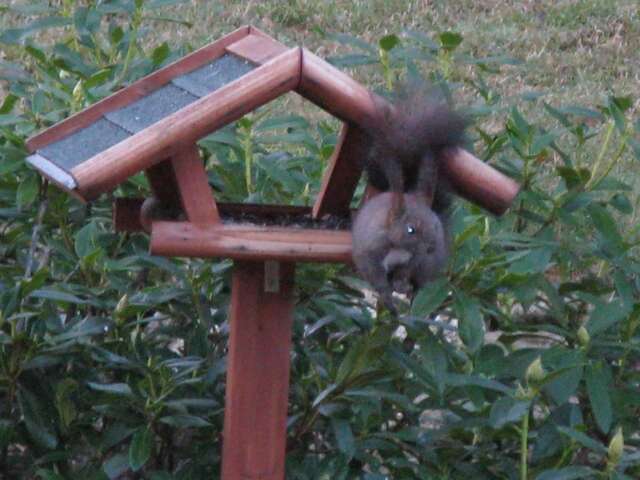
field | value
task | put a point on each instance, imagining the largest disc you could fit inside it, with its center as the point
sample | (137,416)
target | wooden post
(343,173)
(258,371)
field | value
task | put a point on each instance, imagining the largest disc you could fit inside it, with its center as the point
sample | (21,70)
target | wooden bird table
(153,126)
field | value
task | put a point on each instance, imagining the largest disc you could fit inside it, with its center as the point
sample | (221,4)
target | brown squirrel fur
(399,236)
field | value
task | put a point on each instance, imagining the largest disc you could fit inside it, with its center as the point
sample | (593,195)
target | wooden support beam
(163,183)
(163,139)
(258,371)
(342,174)
(250,242)
(125,215)
(195,193)
(136,90)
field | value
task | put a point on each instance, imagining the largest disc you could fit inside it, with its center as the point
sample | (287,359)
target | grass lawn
(573,51)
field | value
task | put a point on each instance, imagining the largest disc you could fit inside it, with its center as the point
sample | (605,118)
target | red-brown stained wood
(479,182)
(257,373)
(342,174)
(109,168)
(335,91)
(250,242)
(253,30)
(136,90)
(257,49)
(126,214)
(163,183)
(193,184)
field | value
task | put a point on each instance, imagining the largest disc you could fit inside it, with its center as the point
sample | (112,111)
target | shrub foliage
(523,362)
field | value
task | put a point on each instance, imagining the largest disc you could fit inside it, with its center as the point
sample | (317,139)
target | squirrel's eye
(411,229)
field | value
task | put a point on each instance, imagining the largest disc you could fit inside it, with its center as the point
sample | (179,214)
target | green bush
(521,363)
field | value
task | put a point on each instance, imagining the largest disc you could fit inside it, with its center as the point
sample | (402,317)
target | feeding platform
(153,126)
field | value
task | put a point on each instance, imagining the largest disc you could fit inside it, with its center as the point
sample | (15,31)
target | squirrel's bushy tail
(408,136)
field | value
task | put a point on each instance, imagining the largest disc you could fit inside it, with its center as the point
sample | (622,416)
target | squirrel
(400,238)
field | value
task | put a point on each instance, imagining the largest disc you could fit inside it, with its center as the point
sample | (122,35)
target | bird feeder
(153,126)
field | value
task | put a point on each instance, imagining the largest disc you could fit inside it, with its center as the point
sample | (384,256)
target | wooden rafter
(342,174)
(196,195)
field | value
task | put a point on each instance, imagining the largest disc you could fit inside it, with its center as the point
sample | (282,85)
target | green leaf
(27,191)
(140,448)
(570,176)
(39,422)
(16,35)
(160,54)
(48,475)
(564,385)
(534,261)
(116,35)
(450,40)
(113,388)
(541,142)
(567,473)
(605,316)
(414,367)
(623,103)
(67,411)
(87,327)
(185,421)
(434,358)
(116,466)
(8,103)
(617,113)
(470,323)
(606,226)
(598,391)
(507,410)
(580,111)
(98,78)
(85,241)
(352,41)
(284,122)
(583,439)
(152,4)
(388,42)
(57,296)
(352,60)
(352,364)
(462,380)
(344,436)
(430,297)
(621,203)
